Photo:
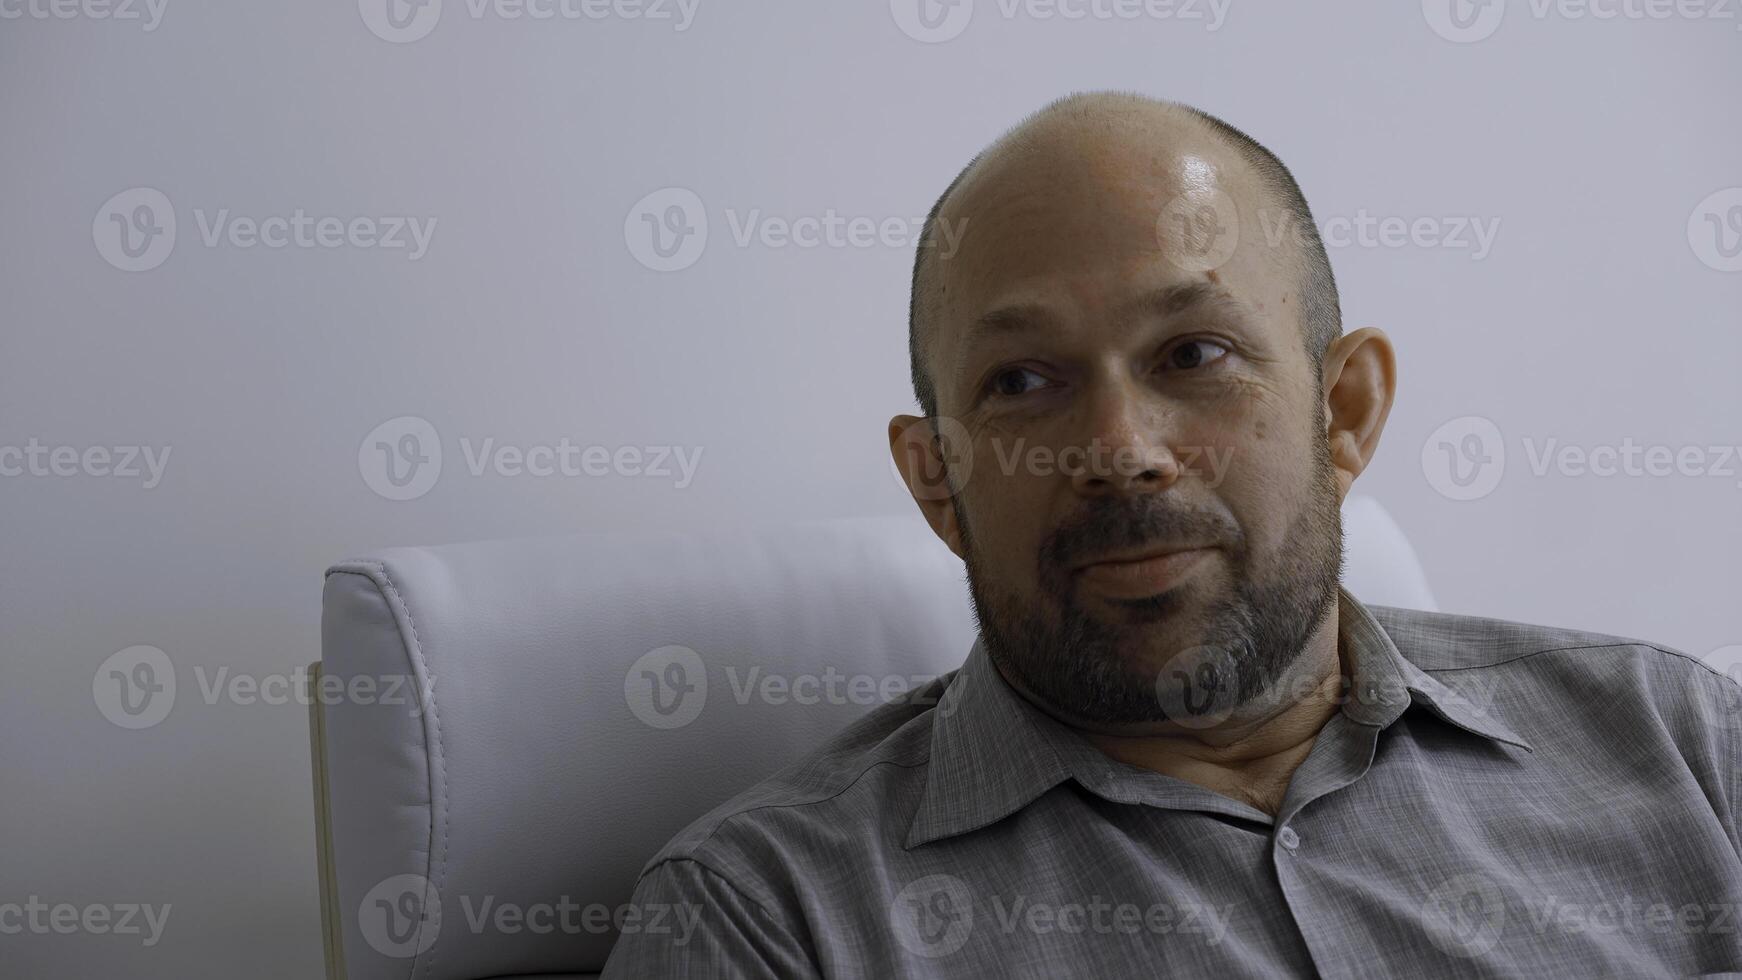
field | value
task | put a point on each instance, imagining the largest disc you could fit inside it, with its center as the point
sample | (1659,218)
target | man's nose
(1124,447)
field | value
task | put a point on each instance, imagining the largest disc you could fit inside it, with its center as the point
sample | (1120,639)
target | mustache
(1110,524)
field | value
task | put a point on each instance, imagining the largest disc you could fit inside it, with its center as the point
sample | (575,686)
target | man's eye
(1015,381)
(1195,354)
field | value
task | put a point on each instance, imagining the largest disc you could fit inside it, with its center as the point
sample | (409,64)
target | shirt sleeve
(716,931)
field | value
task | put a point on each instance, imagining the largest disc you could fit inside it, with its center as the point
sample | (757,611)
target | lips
(1142,574)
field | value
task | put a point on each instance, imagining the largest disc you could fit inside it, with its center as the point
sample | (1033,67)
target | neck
(1252,755)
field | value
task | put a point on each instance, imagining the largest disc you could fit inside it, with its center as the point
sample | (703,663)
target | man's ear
(1360,378)
(919,453)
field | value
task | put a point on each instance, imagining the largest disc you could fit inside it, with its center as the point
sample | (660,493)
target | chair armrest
(332,942)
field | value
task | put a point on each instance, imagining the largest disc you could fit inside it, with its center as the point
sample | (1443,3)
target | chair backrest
(505,731)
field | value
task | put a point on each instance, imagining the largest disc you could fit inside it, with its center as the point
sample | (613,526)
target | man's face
(1150,520)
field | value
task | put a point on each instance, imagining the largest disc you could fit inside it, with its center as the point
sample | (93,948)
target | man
(1178,747)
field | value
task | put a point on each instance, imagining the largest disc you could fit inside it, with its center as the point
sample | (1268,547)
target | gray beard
(1080,665)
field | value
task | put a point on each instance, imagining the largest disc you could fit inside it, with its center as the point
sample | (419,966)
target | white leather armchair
(505,731)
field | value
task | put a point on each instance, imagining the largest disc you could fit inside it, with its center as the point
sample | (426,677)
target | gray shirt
(1491,799)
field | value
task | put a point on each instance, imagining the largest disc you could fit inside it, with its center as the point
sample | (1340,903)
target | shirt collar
(1382,673)
(993,753)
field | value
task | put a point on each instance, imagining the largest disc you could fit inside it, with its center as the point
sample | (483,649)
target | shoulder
(1452,641)
(1545,663)
(862,784)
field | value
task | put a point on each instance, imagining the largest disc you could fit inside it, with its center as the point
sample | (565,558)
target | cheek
(1265,460)
(1006,510)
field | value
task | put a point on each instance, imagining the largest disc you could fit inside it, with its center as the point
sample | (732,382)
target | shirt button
(1288,838)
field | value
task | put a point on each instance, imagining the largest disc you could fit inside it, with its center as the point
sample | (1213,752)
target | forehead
(1092,228)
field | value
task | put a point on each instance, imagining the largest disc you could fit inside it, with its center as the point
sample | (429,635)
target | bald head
(1091,162)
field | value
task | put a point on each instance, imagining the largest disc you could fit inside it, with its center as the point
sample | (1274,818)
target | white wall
(1594,317)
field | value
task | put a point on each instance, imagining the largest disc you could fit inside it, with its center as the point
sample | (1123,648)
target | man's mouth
(1143,573)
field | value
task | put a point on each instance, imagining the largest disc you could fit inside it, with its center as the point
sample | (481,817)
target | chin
(1174,606)
(1152,633)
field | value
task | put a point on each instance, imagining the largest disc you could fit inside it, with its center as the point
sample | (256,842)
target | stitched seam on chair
(377,573)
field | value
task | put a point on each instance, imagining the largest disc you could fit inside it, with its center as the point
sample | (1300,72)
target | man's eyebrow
(1198,294)
(1166,302)
(1010,318)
